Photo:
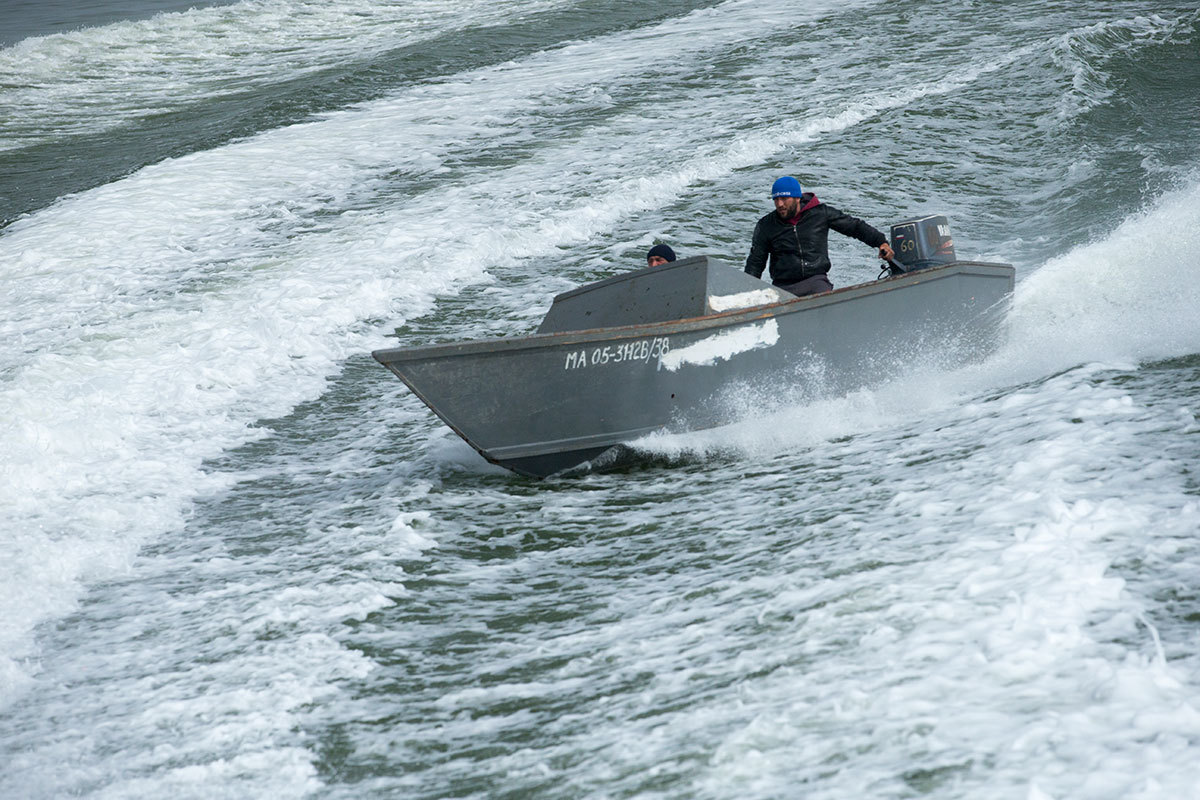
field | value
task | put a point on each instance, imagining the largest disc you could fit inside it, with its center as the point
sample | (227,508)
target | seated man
(658,255)
(795,236)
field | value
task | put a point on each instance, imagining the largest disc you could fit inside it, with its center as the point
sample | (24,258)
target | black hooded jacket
(801,250)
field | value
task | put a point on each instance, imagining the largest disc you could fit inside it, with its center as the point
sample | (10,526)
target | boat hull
(545,403)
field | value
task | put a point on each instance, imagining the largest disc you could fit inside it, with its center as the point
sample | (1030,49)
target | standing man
(796,238)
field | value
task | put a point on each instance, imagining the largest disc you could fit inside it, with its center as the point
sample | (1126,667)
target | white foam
(96,79)
(151,323)
(985,580)
(1131,296)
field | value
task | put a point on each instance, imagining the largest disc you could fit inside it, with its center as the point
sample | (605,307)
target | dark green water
(240,559)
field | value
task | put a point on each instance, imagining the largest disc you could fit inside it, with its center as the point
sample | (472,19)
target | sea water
(240,559)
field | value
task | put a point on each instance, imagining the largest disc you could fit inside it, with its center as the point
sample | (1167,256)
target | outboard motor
(924,242)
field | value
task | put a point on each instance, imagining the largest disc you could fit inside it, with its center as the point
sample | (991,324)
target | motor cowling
(923,242)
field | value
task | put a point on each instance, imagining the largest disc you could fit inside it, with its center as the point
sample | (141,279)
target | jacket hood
(809,200)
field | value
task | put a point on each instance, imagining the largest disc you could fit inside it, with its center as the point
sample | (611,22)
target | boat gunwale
(720,319)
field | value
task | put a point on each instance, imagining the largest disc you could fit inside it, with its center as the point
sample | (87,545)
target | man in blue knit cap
(795,237)
(659,254)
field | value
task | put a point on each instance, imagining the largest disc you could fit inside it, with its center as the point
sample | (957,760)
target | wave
(1084,54)
(152,322)
(96,79)
(1130,296)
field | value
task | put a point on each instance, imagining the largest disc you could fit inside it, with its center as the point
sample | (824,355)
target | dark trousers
(814,285)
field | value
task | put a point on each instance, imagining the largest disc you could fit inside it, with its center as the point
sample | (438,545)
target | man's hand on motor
(886,252)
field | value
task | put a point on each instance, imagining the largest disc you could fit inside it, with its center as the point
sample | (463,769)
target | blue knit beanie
(787,186)
(661,250)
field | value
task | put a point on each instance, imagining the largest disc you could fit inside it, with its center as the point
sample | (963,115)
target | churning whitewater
(239,559)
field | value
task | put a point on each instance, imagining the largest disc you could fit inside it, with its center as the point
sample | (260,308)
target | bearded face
(787,207)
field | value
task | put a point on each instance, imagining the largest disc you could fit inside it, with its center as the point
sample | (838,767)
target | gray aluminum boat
(687,346)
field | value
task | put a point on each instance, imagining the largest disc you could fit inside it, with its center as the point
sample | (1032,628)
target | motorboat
(689,345)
